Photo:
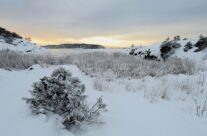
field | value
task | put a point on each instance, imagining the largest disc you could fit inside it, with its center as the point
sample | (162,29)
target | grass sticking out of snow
(128,112)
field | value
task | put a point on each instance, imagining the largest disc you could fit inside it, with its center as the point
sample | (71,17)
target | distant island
(75,45)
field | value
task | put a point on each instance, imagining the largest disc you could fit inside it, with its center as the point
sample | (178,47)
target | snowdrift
(20,45)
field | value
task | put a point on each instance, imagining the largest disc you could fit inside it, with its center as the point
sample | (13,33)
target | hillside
(12,41)
(75,45)
(182,48)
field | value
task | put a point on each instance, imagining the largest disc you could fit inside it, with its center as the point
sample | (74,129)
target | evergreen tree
(63,95)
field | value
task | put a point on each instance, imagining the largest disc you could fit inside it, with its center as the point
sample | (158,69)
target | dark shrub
(188,46)
(167,48)
(148,55)
(201,43)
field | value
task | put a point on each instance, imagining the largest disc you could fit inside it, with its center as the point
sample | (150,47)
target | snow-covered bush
(188,46)
(63,95)
(148,56)
(201,43)
(168,47)
(132,52)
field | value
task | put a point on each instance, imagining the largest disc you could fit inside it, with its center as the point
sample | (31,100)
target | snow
(129,113)
(21,45)
(135,107)
(194,56)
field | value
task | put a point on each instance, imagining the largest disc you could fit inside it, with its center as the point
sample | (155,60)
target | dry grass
(97,63)
(123,65)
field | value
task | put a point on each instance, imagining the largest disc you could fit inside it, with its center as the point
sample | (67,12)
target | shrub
(201,43)
(132,52)
(177,38)
(148,55)
(63,95)
(167,48)
(188,46)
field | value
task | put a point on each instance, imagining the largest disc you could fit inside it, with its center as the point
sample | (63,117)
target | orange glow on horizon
(100,40)
(110,41)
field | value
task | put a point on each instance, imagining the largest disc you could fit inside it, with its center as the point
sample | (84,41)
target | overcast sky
(109,22)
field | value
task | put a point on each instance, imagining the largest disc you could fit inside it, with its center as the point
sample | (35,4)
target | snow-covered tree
(63,95)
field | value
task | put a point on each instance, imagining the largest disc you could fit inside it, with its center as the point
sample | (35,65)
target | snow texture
(21,45)
(128,112)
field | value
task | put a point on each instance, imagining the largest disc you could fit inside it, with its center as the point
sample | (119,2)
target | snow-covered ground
(21,45)
(129,113)
(148,106)
(179,52)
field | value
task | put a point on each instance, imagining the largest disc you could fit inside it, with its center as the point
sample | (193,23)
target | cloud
(105,18)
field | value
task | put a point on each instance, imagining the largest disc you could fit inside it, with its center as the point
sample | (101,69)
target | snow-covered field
(129,113)
(162,99)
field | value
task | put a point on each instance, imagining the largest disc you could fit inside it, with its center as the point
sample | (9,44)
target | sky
(113,23)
